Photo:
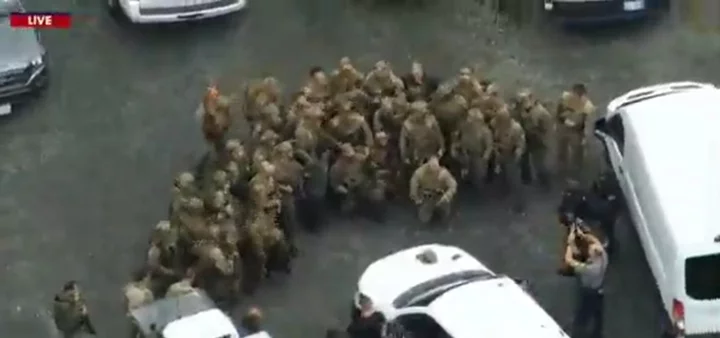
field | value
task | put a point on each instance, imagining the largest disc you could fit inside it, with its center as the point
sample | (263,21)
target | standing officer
(591,277)
(70,313)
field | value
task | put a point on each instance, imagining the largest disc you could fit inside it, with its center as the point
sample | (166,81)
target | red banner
(40,20)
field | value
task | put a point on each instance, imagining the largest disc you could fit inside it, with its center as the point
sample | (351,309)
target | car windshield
(440,285)
(9,6)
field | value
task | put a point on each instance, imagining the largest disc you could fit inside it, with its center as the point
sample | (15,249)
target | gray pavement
(85,170)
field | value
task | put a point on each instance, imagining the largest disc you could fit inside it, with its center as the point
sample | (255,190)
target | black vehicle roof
(164,311)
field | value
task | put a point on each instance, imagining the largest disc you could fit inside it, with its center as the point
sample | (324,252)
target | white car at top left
(166,11)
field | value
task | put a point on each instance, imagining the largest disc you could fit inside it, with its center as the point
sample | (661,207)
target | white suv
(442,291)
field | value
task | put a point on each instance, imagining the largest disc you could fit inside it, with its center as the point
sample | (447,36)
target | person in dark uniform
(598,205)
(588,316)
(368,323)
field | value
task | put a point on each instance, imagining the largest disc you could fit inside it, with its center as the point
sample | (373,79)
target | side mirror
(600,128)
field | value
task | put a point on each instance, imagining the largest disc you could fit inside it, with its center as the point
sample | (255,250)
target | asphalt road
(85,171)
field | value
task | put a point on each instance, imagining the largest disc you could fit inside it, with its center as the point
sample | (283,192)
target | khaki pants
(430,207)
(570,152)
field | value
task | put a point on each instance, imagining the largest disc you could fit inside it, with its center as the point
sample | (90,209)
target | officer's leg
(583,313)
(288,221)
(577,156)
(425,212)
(562,154)
(443,210)
(478,172)
(597,315)
(526,168)
(511,171)
(539,159)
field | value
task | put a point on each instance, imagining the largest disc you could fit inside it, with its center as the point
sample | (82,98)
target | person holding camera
(591,277)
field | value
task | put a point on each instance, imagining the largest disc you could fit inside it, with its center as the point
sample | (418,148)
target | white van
(166,11)
(663,144)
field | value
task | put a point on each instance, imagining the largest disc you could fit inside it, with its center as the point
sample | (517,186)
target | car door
(611,131)
(395,327)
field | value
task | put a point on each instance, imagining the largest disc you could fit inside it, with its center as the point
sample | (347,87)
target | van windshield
(702,277)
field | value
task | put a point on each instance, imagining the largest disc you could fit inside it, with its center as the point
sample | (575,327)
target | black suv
(23,65)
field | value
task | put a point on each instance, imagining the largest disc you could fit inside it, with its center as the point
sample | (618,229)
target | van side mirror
(600,128)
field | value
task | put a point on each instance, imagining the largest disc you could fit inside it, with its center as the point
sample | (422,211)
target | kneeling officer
(432,188)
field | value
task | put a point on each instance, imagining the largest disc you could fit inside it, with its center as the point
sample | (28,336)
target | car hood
(17,47)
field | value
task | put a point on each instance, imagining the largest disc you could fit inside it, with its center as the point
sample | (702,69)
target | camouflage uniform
(380,175)
(574,113)
(163,257)
(390,116)
(70,313)
(263,149)
(432,188)
(307,133)
(311,208)
(418,87)
(472,147)
(509,139)
(381,81)
(180,288)
(318,87)
(264,190)
(490,103)
(467,85)
(449,111)
(260,93)
(420,136)
(347,177)
(350,127)
(538,125)
(216,119)
(216,269)
(261,243)
(289,175)
(345,78)
(183,188)
(137,294)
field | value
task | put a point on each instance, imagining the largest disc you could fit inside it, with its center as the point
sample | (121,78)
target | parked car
(663,146)
(442,291)
(190,315)
(23,62)
(592,11)
(165,11)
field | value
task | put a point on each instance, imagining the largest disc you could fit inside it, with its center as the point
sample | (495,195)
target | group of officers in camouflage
(360,139)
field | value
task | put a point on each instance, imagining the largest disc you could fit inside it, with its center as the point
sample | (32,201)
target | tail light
(678,316)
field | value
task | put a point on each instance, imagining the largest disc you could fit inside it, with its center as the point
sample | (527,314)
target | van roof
(679,142)
(493,308)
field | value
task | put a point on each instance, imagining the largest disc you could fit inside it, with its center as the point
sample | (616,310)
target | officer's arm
(570,260)
(377,121)
(546,121)
(439,137)
(367,132)
(450,184)
(336,179)
(415,185)
(154,262)
(520,143)
(403,142)
(489,145)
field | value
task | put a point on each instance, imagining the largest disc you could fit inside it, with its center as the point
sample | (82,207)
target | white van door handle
(620,170)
